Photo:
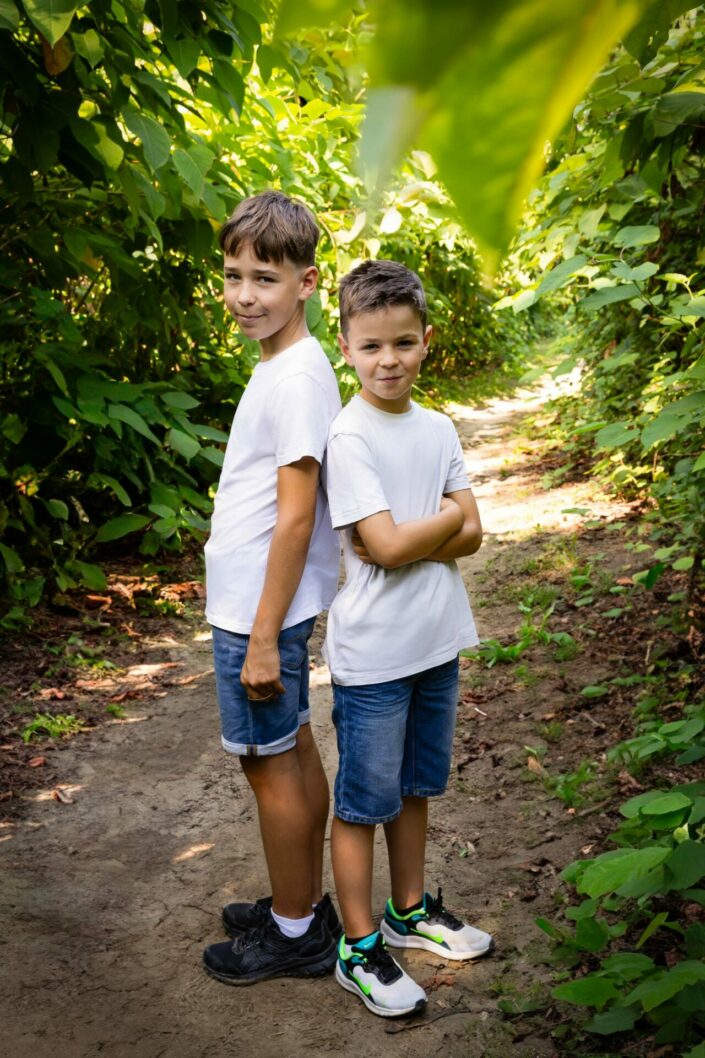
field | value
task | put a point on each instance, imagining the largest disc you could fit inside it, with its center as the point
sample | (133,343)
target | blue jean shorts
(394,740)
(261,729)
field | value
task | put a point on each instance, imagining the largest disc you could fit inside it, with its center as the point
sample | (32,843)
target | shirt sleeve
(352,482)
(457,477)
(300,418)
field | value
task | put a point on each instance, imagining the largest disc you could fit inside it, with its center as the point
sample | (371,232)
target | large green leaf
(611,870)
(51,17)
(121,526)
(663,986)
(9,15)
(608,296)
(481,86)
(686,865)
(155,139)
(589,991)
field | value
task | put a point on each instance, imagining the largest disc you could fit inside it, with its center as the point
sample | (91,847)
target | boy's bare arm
(390,545)
(297,485)
(468,538)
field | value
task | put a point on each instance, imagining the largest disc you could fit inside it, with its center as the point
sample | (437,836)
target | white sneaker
(368,971)
(435,929)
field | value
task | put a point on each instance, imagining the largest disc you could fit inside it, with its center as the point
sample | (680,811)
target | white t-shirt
(284,414)
(385,624)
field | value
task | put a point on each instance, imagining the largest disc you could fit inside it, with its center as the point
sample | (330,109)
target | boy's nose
(246,295)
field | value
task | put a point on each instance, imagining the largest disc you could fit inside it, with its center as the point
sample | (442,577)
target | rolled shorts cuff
(437,791)
(370,821)
(240,749)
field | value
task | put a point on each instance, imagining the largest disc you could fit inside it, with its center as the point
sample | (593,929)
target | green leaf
(616,435)
(94,137)
(121,526)
(482,88)
(133,419)
(643,271)
(57,509)
(627,965)
(594,691)
(230,81)
(639,235)
(112,483)
(591,934)
(611,870)
(667,803)
(664,986)
(188,171)
(178,399)
(635,805)
(691,307)
(608,296)
(9,15)
(662,428)
(186,446)
(185,53)
(686,865)
(155,140)
(13,562)
(699,462)
(616,1019)
(561,274)
(89,46)
(51,17)
(656,922)
(92,576)
(589,991)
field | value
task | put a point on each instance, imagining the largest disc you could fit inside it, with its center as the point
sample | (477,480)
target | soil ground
(121,844)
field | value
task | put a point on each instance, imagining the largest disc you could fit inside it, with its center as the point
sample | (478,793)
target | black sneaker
(265,952)
(239,918)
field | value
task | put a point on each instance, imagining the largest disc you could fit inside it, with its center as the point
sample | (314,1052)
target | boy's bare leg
(406,844)
(351,851)
(287,832)
(318,795)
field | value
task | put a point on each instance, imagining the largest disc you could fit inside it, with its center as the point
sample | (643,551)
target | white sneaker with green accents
(368,971)
(433,928)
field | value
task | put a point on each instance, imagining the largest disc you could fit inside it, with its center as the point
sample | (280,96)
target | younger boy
(398,489)
(271,567)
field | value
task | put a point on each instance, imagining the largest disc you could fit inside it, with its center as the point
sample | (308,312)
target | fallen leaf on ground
(535,766)
(436,981)
(61,795)
(36,762)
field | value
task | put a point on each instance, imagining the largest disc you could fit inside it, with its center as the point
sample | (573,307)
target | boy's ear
(345,349)
(427,334)
(309,282)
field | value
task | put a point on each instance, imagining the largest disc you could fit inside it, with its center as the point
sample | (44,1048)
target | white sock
(292,927)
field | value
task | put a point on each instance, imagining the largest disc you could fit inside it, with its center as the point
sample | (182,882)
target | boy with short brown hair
(399,492)
(271,567)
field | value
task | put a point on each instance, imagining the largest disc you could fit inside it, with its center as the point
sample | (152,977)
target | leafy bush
(128,134)
(613,234)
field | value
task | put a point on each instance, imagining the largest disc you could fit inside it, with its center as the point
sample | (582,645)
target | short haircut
(275,227)
(375,285)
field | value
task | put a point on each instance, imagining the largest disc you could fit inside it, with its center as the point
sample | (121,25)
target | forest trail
(109,899)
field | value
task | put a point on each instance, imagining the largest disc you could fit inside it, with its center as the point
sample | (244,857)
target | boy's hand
(360,549)
(261,672)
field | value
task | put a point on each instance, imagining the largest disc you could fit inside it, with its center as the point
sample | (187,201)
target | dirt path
(109,900)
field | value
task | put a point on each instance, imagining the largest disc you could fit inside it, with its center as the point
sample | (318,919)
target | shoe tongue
(367,943)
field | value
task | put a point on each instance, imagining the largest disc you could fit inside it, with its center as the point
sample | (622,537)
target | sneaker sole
(315,967)
(395,940)
(383,1012)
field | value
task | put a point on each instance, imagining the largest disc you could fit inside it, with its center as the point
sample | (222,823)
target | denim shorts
(264,728)
(394,740)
